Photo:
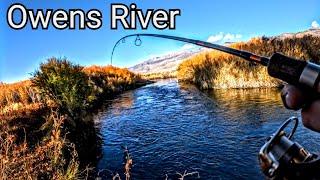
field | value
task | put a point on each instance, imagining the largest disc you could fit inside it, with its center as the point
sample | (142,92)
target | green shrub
(65,84)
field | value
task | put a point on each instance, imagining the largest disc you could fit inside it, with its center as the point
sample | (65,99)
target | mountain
(311,32)
(163,64)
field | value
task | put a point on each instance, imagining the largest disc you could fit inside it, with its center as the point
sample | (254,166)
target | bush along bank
(56,138)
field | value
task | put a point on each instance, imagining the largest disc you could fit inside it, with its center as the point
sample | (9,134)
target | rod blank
(243,54)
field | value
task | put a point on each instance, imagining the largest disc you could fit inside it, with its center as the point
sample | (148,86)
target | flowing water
(170,127)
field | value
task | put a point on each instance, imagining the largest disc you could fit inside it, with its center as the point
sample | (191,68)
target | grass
(160,75)
(46,160)
(213,69)
(18,97)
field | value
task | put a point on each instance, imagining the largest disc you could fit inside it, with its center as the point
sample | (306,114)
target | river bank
(41,140)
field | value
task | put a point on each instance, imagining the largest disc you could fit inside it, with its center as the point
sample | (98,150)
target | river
(170,127)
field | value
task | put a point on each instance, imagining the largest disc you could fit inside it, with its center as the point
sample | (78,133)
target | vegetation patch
(213,69)
(46,130)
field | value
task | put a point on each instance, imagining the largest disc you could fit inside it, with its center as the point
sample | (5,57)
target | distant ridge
(311,32)
(163,64)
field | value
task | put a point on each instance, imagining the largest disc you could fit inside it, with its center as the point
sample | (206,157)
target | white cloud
(215,38)
(229,37)
(222,37)
(187,46)
(315,24)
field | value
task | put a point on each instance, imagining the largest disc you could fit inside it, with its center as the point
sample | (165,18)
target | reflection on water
(118,105)
(170,128)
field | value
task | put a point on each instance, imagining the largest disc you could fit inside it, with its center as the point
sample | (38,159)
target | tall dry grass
(110,79)
(213,69)
(160,75)
(20,96)
(44,161)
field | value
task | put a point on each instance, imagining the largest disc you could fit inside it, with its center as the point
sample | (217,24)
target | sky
(217,21)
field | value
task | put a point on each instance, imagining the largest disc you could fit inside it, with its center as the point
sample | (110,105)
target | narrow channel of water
(169,128)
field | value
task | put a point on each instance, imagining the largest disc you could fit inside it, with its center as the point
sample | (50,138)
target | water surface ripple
(169,128)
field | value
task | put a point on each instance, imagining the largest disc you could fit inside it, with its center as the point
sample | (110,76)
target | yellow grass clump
(159,75)
(213,69)
(111,77)
(18,97)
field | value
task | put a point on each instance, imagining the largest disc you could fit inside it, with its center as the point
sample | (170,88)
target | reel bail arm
(280,157)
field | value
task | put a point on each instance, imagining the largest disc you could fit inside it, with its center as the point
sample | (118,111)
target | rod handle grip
(300,73)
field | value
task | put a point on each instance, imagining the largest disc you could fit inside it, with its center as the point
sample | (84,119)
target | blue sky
(21,51)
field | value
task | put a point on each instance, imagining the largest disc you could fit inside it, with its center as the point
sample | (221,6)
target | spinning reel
(282,158)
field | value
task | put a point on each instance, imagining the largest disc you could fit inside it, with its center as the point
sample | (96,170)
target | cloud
(215,38)
(315,24)
(187,46)
(229,37)
(222,37)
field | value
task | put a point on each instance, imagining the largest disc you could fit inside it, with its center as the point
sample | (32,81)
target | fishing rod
(297,72)
(243,54)
(279,157)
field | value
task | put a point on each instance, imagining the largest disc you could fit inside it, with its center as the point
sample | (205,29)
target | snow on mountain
(312,32)
(162,64)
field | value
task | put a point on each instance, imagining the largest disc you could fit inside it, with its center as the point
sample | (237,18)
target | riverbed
(170,127)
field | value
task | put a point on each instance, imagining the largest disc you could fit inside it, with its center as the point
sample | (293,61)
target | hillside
(213,69)
(163,64)
(315,32)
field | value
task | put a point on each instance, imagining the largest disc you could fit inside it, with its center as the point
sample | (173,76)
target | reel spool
(281,158)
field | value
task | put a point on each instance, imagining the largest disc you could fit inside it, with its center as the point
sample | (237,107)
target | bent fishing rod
(297,72)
